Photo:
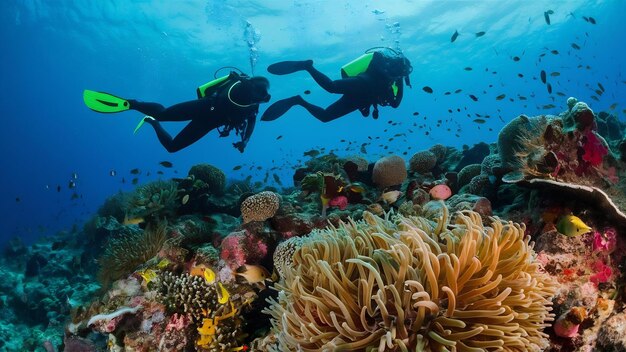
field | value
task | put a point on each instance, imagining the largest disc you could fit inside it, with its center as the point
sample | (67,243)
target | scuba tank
(202,90)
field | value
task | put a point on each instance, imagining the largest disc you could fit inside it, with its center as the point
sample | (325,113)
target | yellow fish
(209,275)
(222,294)
(571,225)
(163,263)
(132,221)
(254,273)
(148,275)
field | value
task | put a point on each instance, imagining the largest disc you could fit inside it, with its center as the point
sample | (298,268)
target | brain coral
(389,171)
(361,163)
(213,177)
(410,284)
(489,162)
(440,152)
(467,173)
(260,206)
(422,162)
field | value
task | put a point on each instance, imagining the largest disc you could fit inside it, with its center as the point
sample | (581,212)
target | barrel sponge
(213,177)
(467,173)
(422,162)
(389,171)
(260,206)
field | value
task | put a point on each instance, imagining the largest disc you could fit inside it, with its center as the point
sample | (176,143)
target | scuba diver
(375,78)
(231,102)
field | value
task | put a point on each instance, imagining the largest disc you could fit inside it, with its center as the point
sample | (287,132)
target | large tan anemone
(411,284)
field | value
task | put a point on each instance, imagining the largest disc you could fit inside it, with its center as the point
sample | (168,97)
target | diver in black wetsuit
(380,83)
(232,104)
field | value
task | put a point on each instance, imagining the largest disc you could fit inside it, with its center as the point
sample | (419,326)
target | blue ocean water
(162,50)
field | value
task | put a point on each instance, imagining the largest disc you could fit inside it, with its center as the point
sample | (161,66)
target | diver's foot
(280,107)
(287,67)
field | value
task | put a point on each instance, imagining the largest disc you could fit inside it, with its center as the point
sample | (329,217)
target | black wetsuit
(371,88)
(212,111)
(359,93)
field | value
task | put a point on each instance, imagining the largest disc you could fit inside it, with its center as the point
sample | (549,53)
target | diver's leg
(340,86)
(185,111)
(341,107)
(190,134)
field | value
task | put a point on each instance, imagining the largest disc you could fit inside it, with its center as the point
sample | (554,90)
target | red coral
(340,202)
(239,248)
(603,273)
(594,149)
(605,242)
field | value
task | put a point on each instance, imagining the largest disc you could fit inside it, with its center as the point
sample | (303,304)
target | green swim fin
(287,67)
(279,108)
(145,118)
(104,102)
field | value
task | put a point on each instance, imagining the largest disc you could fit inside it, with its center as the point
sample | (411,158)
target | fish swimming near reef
(454,36)
(356,187)
(253,273)
(571,225)
(166,163)
(132,221)
(312,153)
(546,16)
(390,197)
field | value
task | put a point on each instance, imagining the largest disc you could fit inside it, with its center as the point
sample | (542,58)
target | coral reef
(383,267)
(412,284)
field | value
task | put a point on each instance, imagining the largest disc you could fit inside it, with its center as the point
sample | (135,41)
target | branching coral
(219,325)
(407,283)
(130,249)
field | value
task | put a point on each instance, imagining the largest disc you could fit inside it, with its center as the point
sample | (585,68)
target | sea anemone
(408,283)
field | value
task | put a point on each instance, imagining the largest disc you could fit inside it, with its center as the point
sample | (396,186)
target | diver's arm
(249,129)
(247,133)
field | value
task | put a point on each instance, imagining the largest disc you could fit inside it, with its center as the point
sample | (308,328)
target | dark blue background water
(160,51)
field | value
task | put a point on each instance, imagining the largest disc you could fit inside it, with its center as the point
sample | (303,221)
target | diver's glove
(240,146)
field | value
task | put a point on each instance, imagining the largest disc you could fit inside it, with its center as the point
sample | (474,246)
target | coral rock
(612,334)
(260,207)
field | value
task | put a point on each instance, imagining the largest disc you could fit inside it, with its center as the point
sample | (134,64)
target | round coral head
(440,192)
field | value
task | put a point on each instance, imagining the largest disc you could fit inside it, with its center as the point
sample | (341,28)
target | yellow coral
(209,327)
(407,283)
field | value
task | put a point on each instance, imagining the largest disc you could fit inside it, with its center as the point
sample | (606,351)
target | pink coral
(178,322)
(340,202)
(239,248)
(594,149)
(605,242)
(602,272)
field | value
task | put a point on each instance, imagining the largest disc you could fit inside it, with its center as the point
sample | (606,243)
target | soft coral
(594,149)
